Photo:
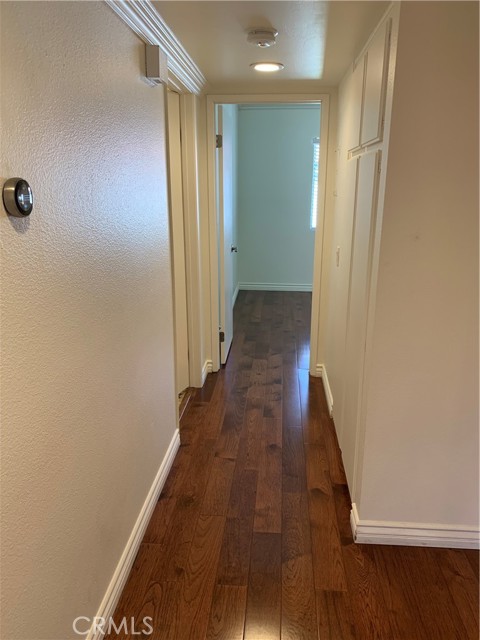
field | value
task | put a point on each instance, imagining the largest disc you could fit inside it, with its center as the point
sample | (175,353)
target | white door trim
(188,126)
(213,100)
(177,235)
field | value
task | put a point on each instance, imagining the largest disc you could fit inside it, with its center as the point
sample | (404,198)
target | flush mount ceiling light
(267,67)
(262,37)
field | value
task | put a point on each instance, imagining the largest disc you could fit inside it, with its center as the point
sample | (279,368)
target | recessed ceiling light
(267,67)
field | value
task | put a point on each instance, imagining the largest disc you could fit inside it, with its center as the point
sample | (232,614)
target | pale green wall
(275,153)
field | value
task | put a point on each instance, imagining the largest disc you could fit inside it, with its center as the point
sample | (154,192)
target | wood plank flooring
(250,539)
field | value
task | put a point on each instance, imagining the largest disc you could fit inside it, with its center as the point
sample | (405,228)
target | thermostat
(18,197)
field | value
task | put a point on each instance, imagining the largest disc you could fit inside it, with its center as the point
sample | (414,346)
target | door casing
(212,101)
(177,233)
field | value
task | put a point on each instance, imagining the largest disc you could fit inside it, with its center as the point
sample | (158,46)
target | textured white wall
(421,450)
(87,382)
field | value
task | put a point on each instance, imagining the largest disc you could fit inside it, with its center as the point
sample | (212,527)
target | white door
(360,274)
(226,128)
(178,242)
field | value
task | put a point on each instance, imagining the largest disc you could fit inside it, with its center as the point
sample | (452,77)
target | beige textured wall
(421,449)
(87,384)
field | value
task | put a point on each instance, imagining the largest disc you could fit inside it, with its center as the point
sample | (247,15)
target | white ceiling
(317,40)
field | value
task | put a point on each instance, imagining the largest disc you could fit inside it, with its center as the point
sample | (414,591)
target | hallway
(251,536)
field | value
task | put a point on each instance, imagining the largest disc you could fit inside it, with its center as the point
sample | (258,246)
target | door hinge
(379,165)
(218,141)
(221,335)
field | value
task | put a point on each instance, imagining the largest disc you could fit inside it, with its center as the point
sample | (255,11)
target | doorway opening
(267,173)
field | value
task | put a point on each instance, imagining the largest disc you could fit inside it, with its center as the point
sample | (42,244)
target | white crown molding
(142,17)
(412,533)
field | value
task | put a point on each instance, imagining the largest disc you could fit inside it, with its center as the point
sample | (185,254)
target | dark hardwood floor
(251,537)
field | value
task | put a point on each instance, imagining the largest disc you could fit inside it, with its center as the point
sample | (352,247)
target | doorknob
(232,249)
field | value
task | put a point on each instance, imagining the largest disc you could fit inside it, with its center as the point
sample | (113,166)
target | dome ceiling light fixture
(262,37)
(267,67)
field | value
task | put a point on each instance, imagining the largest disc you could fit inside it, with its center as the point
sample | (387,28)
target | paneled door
(358,300)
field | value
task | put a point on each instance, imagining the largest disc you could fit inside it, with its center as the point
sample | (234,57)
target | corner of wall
(206,369)
(120,576)
(320,371)
(413,534)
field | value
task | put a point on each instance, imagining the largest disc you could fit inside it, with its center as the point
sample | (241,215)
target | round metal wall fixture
(262,37)
(18,197)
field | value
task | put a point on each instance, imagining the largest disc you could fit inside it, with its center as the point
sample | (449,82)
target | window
(314,203)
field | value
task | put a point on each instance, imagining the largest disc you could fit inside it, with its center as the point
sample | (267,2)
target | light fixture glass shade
(267,67)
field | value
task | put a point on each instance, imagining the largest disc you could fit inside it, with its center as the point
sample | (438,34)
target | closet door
(360,273)
(354,101)
(375,86)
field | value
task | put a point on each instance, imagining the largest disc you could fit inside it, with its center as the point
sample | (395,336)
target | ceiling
(317,40)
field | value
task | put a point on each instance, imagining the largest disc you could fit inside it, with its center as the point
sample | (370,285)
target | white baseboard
(235,294)
(413,534)
(206,369)
(321,372)
(117,583)
(270,286)
(317,372)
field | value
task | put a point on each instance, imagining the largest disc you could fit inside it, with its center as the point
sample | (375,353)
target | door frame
(304,98)
(191,228)
(189,134)
(177,238)
(191,208)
